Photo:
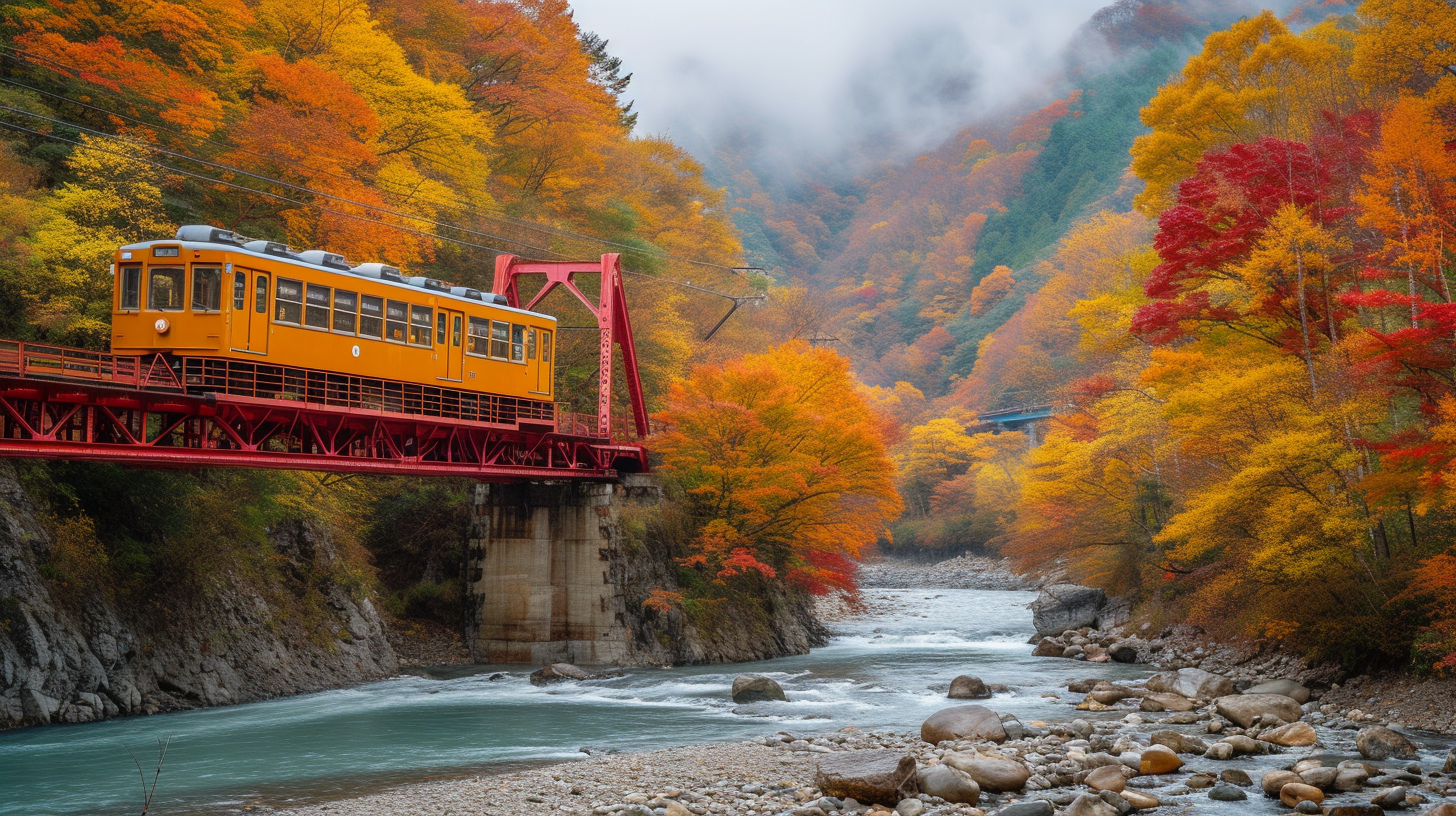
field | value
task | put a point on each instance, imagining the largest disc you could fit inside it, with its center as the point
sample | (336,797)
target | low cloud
(811,78)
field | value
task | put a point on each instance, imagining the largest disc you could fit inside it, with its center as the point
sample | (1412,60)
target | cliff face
(774,622)
(77,652)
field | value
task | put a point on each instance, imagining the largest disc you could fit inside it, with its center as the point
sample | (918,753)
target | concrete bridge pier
(543,571)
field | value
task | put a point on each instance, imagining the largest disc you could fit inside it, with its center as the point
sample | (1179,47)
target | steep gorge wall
(80,653)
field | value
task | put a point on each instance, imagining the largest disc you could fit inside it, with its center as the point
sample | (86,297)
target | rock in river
(1090,805)
(1108,777)
(1192,683)
(967,687)
(993,773)
(1380,743)
(1274,781)
(556,673)
(1296,792)
(1048,648)
(1036,807)
(1159,759)
(881,777)
(752,688)
(1060,607)
(1244,708)
(963,722)
(1288,688)
(1293,735)
(950,784)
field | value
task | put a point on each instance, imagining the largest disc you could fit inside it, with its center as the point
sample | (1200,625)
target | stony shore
(1186,741)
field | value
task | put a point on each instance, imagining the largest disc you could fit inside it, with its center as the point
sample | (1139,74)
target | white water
(885,671)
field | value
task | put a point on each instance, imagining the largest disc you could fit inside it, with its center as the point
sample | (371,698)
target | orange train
(209,293)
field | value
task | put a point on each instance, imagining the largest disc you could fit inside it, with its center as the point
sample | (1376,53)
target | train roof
(294,261)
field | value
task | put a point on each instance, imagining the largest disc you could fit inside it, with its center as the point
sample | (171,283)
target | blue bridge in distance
(1021,418)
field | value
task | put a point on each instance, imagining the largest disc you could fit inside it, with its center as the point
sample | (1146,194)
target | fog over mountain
(829,73)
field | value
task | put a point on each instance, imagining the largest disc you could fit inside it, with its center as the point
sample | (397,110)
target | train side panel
(233,305)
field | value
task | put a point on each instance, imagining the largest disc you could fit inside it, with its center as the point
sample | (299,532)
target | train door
(449,344)
(543,363)
(250,311)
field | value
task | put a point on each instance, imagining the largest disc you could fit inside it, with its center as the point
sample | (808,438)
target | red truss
(58,403)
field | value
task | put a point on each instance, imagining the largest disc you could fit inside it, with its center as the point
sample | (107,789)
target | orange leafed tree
(783,464)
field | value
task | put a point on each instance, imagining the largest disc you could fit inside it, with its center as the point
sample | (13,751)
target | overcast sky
(813,74)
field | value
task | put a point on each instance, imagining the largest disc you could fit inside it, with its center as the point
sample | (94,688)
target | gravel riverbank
(1178,742)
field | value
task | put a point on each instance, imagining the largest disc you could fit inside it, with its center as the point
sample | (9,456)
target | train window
(530,344)
(396,320)
(422,321)
(131,287)
(479,344)
(206,289)
(316,309)
(165,287)
(261,300)
(346,306)
(440,329)
(500,340)
(455,332)
(371,316)
(289,301)
(518,344)
(240,290)
(545,346)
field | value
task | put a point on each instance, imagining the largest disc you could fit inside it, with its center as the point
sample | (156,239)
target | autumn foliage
(1257,421)
(783,467)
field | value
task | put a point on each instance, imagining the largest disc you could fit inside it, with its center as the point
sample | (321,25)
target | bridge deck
(63,403)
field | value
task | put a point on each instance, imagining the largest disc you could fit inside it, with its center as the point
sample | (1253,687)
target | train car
(223,309)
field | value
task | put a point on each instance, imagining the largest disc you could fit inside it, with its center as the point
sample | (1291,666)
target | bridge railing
(59,362)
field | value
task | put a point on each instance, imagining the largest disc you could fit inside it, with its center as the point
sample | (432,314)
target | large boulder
(1107,777)
(993,773)
(967,722)
(1088,804)
(1293,735)
(1048,647)
(1380,743)
(1180,743)
(753,688)
(1191,683)
(1274,781)
(950,784)
(967,687)
(1035,807)
(881,777)
(1243,709)
(1288,688)
(556,673)
(1060,607)
(1167,701)
(1295,792)
(1158,759)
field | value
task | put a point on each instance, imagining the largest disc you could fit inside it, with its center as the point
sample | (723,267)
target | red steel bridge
(64,403)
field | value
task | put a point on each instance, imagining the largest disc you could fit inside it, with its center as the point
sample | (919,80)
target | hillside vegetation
(434,136)
(1248,338)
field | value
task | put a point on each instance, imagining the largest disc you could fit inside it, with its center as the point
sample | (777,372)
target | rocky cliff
(73,651)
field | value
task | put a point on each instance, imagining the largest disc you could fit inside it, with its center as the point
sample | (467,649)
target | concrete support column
(540,572)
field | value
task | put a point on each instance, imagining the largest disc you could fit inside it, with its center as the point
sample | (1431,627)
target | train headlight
(161,325)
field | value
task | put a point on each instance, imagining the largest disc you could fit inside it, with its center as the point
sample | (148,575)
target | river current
(888,669)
